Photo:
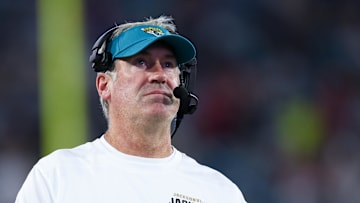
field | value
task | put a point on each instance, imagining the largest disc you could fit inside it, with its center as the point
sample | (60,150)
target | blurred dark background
(278,82)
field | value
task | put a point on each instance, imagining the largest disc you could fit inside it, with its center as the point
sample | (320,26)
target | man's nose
(157,72)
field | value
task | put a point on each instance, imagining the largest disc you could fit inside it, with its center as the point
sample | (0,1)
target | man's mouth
(159,92)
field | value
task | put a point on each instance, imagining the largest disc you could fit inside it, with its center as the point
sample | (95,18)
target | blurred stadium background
(278,82)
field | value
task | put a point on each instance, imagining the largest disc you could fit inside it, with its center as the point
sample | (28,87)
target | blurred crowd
(278,82)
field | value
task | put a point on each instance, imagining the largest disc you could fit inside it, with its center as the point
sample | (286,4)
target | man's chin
(159,99)
(161,110)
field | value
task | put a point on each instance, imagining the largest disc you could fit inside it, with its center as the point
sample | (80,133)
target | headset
(101,60)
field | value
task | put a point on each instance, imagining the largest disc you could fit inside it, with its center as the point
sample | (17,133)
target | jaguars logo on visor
(157,32)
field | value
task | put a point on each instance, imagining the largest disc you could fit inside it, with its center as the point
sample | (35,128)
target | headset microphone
(186,105)
(182,93)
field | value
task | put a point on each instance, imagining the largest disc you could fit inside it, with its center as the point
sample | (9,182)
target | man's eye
(170,65)
(141,61)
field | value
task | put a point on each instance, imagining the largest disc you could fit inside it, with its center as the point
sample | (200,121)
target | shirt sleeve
(35,188)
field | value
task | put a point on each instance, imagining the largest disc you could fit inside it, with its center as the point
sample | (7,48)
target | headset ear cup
(193,103)
(102,62)
(95,60)
(93,57)
(100,58)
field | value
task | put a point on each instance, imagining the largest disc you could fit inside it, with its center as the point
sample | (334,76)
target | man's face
(144,85)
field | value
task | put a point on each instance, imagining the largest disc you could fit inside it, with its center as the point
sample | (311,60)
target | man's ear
(103,85)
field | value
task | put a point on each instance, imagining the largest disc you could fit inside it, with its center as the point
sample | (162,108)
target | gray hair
(162,21)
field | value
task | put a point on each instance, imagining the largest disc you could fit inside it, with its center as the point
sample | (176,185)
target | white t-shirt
(97,172)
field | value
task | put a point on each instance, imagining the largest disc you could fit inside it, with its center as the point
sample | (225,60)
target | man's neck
(133,140)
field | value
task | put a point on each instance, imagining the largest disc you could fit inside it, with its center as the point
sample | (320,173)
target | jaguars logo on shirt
(180,198)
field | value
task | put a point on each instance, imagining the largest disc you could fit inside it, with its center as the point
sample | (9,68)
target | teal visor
(135,39)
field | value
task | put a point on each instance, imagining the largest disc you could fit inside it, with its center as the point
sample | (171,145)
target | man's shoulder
(65,156)
(214,179)
(207,173)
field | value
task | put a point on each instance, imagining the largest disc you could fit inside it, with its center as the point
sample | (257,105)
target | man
(138,67)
